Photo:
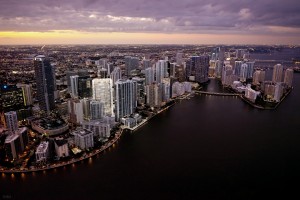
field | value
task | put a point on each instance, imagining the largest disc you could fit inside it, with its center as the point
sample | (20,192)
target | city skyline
(142,22)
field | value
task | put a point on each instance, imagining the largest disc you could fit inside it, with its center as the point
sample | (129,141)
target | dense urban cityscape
(137,99)
(61,104)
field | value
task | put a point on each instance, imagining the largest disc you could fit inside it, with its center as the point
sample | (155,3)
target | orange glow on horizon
(77,37)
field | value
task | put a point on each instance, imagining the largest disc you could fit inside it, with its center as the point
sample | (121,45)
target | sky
(150,22)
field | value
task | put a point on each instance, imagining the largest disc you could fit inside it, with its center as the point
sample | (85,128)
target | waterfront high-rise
(103,91)
(126,98)
(288,77)
(277,73)
(258,77)
(237,67)
(44,74)
(15,143)
(11,121)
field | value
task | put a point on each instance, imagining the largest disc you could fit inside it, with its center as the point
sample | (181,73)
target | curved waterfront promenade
(86,156)
(74,160)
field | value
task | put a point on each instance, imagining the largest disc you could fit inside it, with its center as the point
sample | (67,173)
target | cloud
(164,16)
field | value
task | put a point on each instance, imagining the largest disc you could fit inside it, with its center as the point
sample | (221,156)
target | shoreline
(88,155)
(264,107)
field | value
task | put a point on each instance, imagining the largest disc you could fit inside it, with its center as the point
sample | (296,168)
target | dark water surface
(208,147)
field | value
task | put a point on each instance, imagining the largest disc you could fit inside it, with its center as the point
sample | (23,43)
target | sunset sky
(150,22)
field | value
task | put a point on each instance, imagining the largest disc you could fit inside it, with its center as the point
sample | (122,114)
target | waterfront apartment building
(103,92)
(259,77)
(84,139)
(126,98)
(61,148)
(99,128)
(11,120)
(277,73)
(288,77)
(15,143)
(45,82)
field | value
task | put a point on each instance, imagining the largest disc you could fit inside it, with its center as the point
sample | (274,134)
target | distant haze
(150,22)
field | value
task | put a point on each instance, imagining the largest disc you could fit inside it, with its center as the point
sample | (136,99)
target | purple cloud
(189,16)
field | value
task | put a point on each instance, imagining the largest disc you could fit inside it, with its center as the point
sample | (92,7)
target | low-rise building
(99,128)
(84,138)
(42,152)
(61,148)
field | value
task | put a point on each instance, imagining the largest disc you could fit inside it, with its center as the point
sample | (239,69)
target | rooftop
(43,146)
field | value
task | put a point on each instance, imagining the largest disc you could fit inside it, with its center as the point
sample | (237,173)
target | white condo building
(42,152)
(84,139)
(161,70)
(103,92)
(277,73)
(99,128)
(288,77)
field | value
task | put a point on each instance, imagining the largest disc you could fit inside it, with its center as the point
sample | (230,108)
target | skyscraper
(197,67)
(27,93)
(103,91)
(84,87)
(75,109)
(131,63)
(116,75)
(74,85)
(277,73)
(244,72)
(288,77)
(11,121)
(146,63)
(126,98)
(237,67)
(179,59)
(44,74)
(149,75)
(161,70)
